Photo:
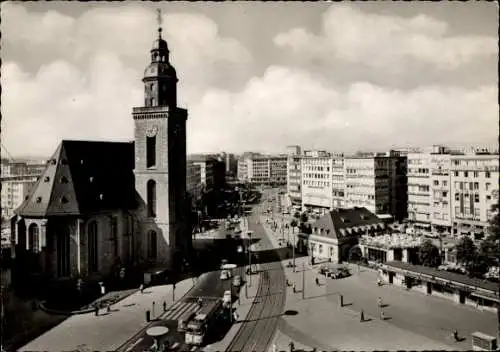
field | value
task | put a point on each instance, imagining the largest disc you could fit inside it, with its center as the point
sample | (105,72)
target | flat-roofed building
(377,182)
(474,190)
(263,169)
(294,175)
(419,184)
(15,189)
(316,167)
(440,198)
(193,182)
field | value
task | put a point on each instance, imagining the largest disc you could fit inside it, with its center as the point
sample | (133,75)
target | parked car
(237,281)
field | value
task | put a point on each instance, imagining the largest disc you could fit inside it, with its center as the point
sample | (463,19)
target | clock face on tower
(152,131)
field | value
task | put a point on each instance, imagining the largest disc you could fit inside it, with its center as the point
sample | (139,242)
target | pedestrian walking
(317,282)
(141,288)
(362,317)
(455,336)
(382,315)
(379,302)
(96,310)
(274,347)
(294,288)
(291,345)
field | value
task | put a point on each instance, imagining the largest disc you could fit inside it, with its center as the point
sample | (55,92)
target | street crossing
(179,309)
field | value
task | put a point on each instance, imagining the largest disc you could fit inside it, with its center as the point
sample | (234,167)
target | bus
(199,327)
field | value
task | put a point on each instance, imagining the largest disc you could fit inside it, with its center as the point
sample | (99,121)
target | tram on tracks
(203,322)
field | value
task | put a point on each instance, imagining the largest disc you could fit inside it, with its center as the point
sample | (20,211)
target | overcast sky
(255,76)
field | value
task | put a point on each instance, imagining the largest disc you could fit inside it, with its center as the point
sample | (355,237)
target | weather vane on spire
(159,20)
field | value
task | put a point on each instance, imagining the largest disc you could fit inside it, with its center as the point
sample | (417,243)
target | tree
(355,254)
(296,215)
(466,251)
(491,249)
(429,255)
(304,217)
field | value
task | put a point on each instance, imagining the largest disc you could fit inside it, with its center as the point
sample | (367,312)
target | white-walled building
(294,174)
(439,192)
(419,184)
(15,189)
(474,189)
(263,169)
(316,169)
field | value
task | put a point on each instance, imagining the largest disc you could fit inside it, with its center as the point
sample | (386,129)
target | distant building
(212,170)
(419,185)
(337,231)
(294,175)
(15,189)
(452,191)
(231,164)
(263,169)
(193,182)
(377,182)
(474,190)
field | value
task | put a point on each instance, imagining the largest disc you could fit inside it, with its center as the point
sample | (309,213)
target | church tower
(160,161)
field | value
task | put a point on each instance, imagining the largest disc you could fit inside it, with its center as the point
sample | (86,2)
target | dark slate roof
(341,222)
(445,275)
(84,177)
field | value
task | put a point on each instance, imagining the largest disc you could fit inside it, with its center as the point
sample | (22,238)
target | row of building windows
(487,174)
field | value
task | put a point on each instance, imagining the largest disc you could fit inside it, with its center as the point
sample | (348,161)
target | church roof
(341,222)
(83,177)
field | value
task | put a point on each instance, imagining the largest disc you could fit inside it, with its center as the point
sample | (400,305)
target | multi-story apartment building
(294,175)
(474,189)
(419,184)
(193,182)
(377,182)
(338,181)
(14,191)
(19,168)
(439,192)
(316,167)
(206,164)
(263,169)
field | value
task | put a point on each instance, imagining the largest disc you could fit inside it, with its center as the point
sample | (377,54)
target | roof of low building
(83,177)
(341,222)
(445,275)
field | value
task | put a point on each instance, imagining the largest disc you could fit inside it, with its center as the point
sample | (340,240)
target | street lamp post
(303,281)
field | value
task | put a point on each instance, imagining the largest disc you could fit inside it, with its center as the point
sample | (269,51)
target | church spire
(159,20)
(160,78)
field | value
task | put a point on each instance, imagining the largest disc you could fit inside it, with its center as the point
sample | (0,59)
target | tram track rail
(259,328)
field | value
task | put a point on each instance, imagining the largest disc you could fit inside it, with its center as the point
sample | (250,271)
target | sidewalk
(108,331)
(322,324)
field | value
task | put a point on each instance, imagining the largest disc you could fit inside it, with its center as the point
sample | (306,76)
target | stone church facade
(102,206)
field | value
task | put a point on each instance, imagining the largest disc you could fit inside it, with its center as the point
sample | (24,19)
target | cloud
(289,106)
(91,70)
(386,42)
(62,101)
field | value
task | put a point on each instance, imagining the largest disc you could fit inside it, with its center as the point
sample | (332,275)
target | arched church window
(92,247)
(33,237)
(151,198)
(152,244)
(150,151)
